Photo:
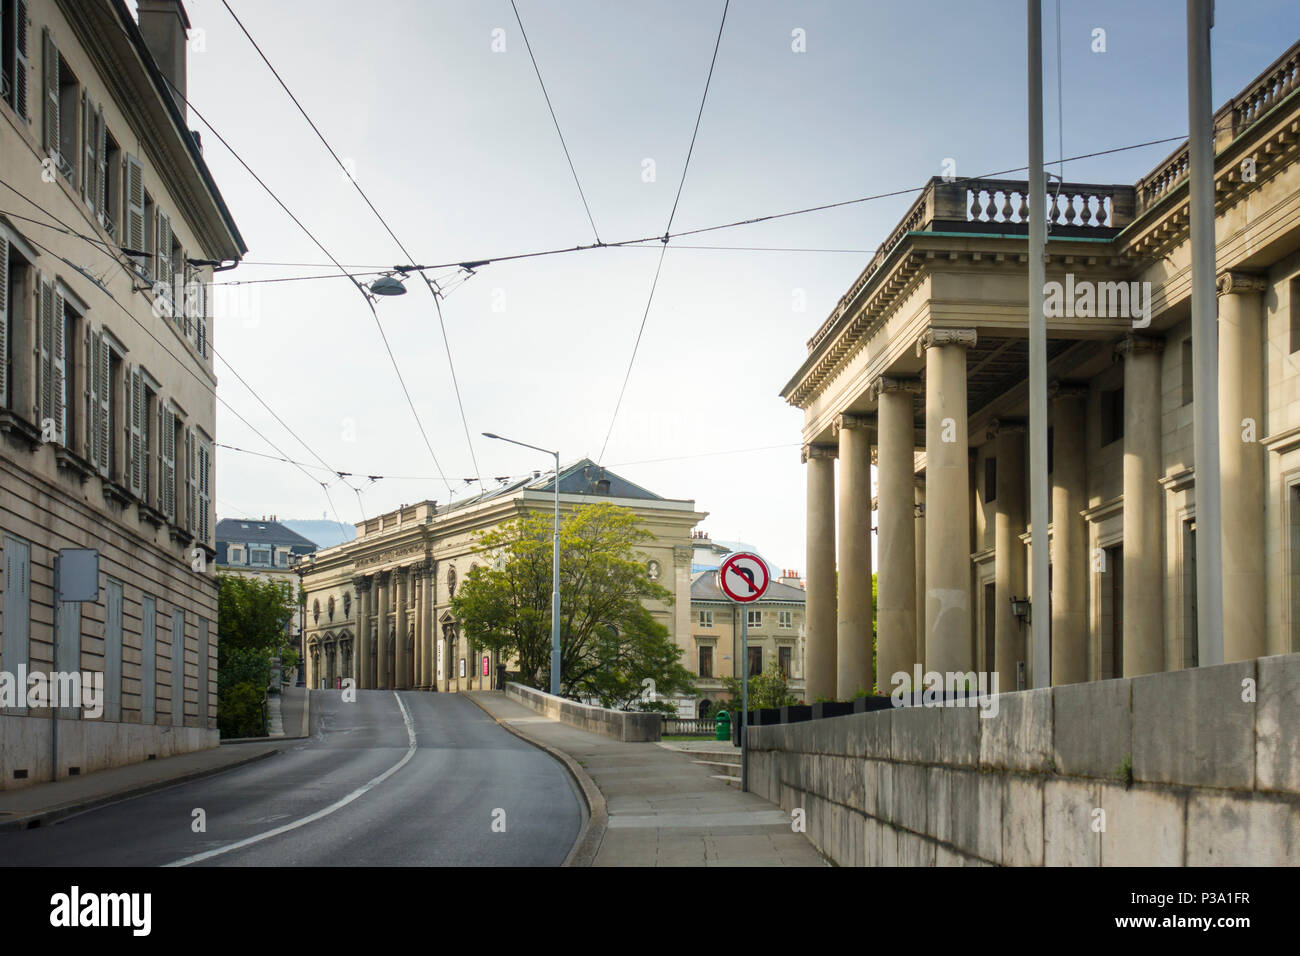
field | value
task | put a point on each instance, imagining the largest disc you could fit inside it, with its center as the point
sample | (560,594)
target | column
(947,481)
(854,617)
(820,617)
(1009,552)
(919,489)
(427,662)
(417,583)
(383,582)
(360,645)
(1144,508)
(401,679)
(1069,533)
(1242,464)
(896,535)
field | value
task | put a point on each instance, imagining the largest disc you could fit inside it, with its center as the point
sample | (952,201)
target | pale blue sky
(455,146)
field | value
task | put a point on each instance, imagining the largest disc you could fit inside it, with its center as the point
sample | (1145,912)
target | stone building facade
(391,587)
(922,368)
(107,403)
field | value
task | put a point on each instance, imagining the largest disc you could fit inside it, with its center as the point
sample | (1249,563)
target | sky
(453,143)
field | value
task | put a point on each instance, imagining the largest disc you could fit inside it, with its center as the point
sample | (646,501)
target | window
(148,652)
(754,618)
(236,554)
(784,657)
(785,619)
(13,55)
(169,428)
(16,604)
(99,405)
(259,557)
(178,666)
(115,417)
(70,335)
(706,661)
(66,121)
(1112,415)
(706,618)
(113,650)
(51,351)
(110,186)
(990,479)
(755,661)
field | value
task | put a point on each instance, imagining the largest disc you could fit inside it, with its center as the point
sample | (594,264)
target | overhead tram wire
(433,289)
(542,83)
(319,245)
(636,346)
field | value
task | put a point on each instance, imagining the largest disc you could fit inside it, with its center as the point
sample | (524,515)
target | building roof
(249,531)
(704,587)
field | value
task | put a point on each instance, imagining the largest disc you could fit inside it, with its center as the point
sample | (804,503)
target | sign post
(743,577)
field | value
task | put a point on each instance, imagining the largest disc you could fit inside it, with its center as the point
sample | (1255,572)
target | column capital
(361,582)
(1057,389)
(1007,426)
(933,337)
(890,383)
(381,577)
(1131,345)
(818,451)
(417,571)
(682,553)
(851,421)
(1237,283)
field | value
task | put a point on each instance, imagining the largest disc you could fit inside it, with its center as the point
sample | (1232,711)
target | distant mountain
(325,534)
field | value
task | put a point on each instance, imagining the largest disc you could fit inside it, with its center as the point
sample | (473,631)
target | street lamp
(555,565)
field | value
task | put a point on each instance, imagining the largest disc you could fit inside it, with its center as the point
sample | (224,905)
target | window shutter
(44,349)
(163,251)
(201,315)
(191,480)
(135,469)
(4,323)
(88,164)
(50,131)
(20,67)
(58,366)
(134,231)
(166,461)
(89,426)
(205,490)
(102,366)
(101,164)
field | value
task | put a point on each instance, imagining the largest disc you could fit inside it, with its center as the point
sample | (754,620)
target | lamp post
(555,565)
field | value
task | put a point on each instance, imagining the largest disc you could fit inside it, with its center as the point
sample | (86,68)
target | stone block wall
(619,724)
(1184,768)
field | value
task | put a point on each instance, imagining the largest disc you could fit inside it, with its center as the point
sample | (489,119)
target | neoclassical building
(379,606)
(922,369)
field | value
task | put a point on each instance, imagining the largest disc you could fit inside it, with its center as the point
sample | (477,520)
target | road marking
(319,814)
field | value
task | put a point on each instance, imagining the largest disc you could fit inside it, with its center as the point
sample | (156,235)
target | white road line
(319,814)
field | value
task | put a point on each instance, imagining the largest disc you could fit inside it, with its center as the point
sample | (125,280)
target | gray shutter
(58,368)
(101,165)
(178,666)
(191,481)
(167,461)
(135,448)
(4,323)
(202,704)
(205,490)
(89,420)
(17,605)
(148,658)
(88,163)
(102,366)
(44,349)
(50,132)
(113,651)
(201,314)
(162,262)
(20,67)
(133,233)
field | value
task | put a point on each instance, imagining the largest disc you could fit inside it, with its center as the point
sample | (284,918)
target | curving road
(393,779)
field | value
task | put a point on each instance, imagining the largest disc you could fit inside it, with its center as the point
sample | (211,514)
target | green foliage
(252,620)
(609,643)
(768,689)
(239,710)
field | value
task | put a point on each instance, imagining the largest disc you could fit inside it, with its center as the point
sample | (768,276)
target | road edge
(34,820)
(589,840)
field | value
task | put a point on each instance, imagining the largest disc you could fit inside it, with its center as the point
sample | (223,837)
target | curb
(589,840)
(33,820)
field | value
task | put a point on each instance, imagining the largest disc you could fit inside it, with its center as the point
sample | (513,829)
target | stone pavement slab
(664,809)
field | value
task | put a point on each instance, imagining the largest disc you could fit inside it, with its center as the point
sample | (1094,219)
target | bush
(239,710)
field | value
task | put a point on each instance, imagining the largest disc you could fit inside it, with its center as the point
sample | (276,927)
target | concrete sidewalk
(664,808)
(43,803)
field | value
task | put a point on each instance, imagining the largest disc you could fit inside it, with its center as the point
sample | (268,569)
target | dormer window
(236,554)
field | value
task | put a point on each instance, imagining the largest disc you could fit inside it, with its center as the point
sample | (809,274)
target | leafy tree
(768,689)
(252,618)
(609,643)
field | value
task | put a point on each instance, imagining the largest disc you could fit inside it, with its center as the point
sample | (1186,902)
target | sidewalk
(44,803)
(664,808)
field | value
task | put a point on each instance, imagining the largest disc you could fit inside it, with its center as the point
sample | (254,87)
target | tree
(609,643)
(768,689)
(252,618)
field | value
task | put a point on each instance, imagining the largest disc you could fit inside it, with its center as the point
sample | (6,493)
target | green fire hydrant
(723,726)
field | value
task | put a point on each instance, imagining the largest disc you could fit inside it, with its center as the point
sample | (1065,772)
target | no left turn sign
(743,577)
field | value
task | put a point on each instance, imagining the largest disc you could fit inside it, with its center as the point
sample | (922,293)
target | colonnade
(924,581)
(396,651)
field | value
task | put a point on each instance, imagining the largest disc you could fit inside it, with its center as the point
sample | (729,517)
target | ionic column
(854,617)
(362,643)
(427,656)
(948,511)
(1009,551)
(896,537)
(1242,464)
(1144,508)
(401,679)
(383,582)
(417,582)
(919,489)
(820,617)
(1069,534)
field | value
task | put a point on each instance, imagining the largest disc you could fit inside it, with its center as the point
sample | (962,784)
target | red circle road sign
(743,577)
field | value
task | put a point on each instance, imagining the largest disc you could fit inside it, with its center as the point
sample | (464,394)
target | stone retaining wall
(1172,769)
(619,724)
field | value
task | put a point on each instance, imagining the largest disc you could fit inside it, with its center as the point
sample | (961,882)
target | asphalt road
(358,792)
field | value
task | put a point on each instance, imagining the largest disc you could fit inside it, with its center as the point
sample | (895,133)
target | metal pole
(1205,338)
(744,703)
(1040,629)
(555,589)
